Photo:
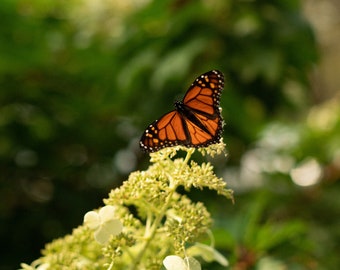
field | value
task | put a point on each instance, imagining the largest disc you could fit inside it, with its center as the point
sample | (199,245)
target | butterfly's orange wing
(167,131)
(205,92)
(203,101)
(199,136)
(197,120)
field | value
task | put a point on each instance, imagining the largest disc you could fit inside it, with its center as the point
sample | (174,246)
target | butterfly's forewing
(164,132)
(205,92)
(203,100)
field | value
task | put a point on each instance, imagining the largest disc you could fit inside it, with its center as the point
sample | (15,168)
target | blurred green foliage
(80,80)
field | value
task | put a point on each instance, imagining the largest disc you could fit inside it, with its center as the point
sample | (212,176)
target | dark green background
(79,82)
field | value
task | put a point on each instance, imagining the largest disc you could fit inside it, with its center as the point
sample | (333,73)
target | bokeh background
(81,79)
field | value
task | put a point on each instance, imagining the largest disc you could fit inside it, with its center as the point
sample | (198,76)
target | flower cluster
(161,229)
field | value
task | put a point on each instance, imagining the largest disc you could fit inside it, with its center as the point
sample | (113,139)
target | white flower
(174,262)
(208,253)
(103,223)
(35,266)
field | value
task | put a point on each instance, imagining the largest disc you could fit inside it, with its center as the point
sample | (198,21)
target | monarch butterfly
(196,121)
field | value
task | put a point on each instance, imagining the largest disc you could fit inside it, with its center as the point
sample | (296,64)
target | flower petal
(101,236)
(112,227)
(208,253)
(92,220)
(174,262)
(107,213)
(192,263)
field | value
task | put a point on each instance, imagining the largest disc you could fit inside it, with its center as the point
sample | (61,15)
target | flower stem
(152,232)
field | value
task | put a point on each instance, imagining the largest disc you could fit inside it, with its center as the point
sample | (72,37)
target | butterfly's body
(196,121)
